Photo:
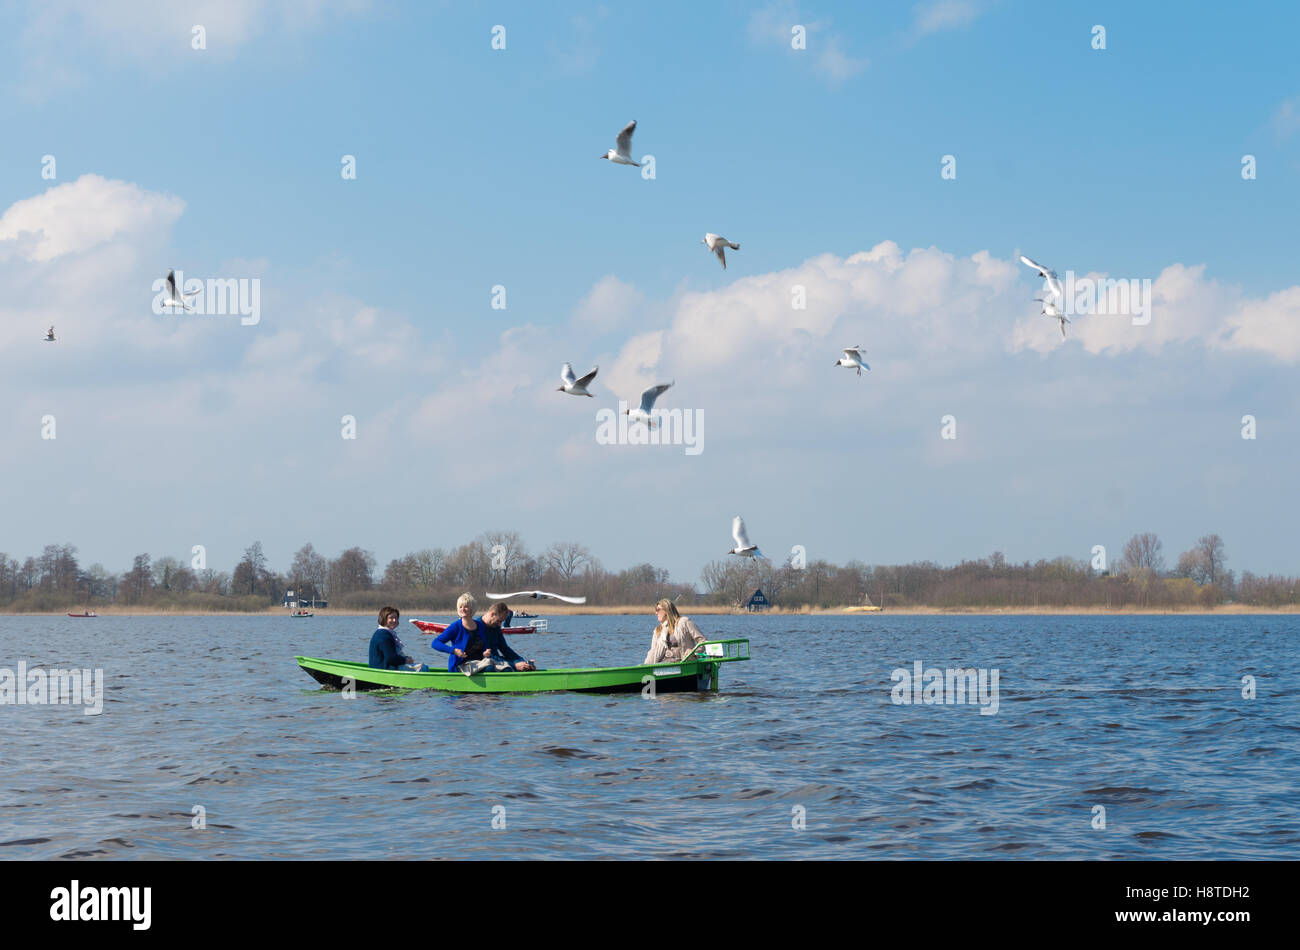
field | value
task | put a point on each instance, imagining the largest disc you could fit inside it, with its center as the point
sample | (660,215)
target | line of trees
(1137,579)
(432,578)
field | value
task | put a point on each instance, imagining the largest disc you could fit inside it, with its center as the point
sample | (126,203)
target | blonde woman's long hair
(671,616)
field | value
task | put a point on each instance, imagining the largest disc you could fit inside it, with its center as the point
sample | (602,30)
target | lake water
(801,754)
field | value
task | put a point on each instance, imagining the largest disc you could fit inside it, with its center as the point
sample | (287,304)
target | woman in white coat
(674,637)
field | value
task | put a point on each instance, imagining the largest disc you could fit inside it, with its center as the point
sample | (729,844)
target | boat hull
(667,677)
(428,626)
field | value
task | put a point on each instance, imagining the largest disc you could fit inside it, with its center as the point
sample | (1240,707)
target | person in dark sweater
(497,617)
(386,649)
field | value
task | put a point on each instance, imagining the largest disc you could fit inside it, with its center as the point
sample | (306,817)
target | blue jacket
(456,637)
(383,651)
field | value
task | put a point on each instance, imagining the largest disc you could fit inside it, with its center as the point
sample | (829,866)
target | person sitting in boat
(463,638)
(504,658)
(675,636)
(386,650)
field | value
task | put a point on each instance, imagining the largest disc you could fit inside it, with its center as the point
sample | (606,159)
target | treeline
(432,579)
(427,579)
(1137,579)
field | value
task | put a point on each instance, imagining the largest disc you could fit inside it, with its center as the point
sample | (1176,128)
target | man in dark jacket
(496,617)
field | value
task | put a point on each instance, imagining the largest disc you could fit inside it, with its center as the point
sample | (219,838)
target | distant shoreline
(701,609)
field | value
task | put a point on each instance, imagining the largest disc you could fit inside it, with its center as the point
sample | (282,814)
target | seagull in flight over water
(642,412)
(536,594)
(716,243)
(622,153)
(853,357)
(743,547)
(573,385)
(175,299)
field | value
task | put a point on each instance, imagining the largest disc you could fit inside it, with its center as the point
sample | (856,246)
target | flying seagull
(175,299)
(743,547)
(1050,309)
(642,412)
(574,386)
(49,337)
(716,243)
(622,154)
(1053,281)
(853,357)
(536,594)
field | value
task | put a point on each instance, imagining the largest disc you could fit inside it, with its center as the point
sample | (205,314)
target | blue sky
(478,167)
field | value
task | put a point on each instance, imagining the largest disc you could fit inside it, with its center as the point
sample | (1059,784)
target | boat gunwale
(600,676)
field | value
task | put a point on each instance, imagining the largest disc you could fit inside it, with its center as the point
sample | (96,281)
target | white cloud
(611,303)
(582,51)
(936,15)
(83,214)
(772,26)
(836,65)
(1286,120)
(1271,326)
(60,37)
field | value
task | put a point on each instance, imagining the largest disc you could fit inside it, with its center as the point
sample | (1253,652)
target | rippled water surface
(1141,715)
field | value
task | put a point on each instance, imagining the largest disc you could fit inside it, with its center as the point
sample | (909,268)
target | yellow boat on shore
(860,610)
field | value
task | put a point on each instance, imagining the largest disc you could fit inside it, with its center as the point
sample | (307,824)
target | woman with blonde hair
(675,636)
(463,638)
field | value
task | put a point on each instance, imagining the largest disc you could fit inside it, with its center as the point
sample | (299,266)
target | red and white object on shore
(428,626)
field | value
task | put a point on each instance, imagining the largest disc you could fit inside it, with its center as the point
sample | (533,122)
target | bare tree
(353,570)
(309,572)
(1211,556)
(427,567)
(137,583)
(1143,550)
(506,554)
(566,559)
(469,566)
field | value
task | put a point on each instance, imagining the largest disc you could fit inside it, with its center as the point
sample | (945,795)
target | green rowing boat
(698,671)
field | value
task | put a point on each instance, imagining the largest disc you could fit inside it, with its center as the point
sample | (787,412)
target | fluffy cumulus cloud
(444,419)
(1271,325)
(81,215)
(925,301)
(611,303)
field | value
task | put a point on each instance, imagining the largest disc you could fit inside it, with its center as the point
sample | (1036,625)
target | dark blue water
(1143,716)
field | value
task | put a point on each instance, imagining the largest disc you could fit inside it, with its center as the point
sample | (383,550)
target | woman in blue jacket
(463,639)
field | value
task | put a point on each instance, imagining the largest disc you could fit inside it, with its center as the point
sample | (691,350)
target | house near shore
(294,603)
(757,602)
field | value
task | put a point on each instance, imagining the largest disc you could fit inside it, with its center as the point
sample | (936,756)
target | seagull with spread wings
(642,412)
(743,546)
(175,299)
(853,357)
(573,385)
(717,244)
(621,154)
(1049,275)
(1051,310)
(540,595)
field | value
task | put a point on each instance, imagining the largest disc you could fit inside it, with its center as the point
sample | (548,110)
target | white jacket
(677,644)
